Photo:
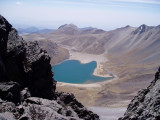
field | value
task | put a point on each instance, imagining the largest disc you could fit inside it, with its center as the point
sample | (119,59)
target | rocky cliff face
(27,89)
(146,105)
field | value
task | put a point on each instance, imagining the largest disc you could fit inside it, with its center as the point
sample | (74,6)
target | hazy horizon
(103,14)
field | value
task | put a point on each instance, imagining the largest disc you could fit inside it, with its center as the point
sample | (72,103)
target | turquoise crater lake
(72,71)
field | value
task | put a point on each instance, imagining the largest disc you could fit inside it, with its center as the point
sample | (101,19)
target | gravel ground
(108,113)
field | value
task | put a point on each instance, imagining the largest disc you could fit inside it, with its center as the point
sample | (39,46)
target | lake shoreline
(77,73)
(88,85)
(84,58)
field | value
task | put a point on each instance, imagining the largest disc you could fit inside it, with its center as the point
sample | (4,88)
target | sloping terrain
(145,105)
(138,44)
(56,52)
(33,30)
(132,52)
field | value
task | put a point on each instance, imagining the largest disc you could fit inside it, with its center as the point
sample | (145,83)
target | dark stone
(38,70)
(24,94)
(14,61)
(157,117)
(24,118)
(120,118)
(5,27)
(20,109)
(157,75)
(10,91)
(2,71)
(68,113)
(25,63)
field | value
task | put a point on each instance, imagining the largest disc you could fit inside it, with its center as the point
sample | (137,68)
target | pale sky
(104,14)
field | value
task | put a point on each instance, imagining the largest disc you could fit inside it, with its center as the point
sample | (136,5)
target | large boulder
(38,71)
(25,63)
(8,110)
(10,91)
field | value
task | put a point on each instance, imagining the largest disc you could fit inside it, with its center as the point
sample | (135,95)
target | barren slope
(133,55)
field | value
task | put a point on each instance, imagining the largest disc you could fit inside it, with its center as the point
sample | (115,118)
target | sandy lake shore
(86,58)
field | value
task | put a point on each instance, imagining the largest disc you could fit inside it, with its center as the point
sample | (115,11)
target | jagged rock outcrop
(146,105)
(34,108)
(141,29)
(27,87)
(69,100)
(27,64)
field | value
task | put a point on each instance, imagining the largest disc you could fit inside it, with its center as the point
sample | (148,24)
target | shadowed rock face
(10,91)
(26,63)
(145,106)
(27,89)
(5,27)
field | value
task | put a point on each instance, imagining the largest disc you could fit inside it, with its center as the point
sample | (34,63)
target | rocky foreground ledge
(27,89)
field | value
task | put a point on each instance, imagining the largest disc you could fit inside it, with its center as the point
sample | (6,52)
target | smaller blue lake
(72,71)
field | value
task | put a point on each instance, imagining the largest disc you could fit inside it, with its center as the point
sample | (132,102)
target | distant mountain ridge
(136,44)
(72,29)
(132,55)
(33,30)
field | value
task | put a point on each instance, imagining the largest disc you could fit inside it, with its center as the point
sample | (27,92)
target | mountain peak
(70,29)
(124,28)
(141,29)
(68,26)
(127,26)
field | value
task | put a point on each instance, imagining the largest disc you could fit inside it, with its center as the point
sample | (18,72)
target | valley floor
(108,113)
(103,97)
(129,53)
